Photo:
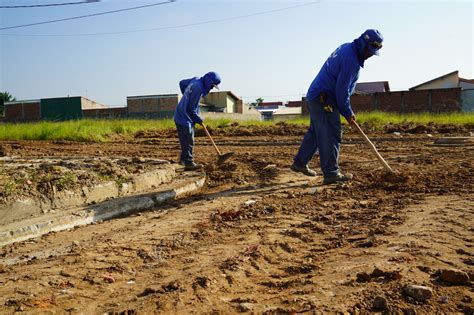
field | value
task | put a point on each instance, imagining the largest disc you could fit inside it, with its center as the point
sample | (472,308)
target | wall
(61,108)
(466,85)
(116,112)
(467,97)
(249,116)
(152,106)
(23,111)
(239,106)
(413,101)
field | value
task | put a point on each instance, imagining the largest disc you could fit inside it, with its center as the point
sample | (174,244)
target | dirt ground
(260,238)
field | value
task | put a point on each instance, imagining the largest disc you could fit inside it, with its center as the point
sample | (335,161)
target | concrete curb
(67,199)
(86,214)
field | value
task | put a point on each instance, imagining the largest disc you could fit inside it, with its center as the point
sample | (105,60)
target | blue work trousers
(186,139)
(324,134)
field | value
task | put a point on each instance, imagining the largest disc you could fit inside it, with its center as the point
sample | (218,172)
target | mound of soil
(429,128)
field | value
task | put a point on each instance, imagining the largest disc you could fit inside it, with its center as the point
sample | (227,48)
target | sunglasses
(375,45)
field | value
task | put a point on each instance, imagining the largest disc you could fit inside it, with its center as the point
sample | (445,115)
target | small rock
(409,311)
(380,303)
(108,278)
(138,159)
(65,274)
(467,299)
(453,276)
(471,275)
(363,277)
(250,201)
(444,299)
(418,292)
(245,307)
(396,133)
(269,166)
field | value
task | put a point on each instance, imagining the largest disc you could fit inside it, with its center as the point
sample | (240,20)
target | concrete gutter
(86,214)
(26,207)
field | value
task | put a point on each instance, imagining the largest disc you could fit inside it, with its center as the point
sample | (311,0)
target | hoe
(372,147)
(221,157)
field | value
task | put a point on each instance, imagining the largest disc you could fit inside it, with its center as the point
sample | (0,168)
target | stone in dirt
(418,292)
(245,307)
(380,303)
(453,276)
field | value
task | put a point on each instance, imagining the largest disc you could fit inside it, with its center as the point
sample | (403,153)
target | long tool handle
(210,138)
(372,146)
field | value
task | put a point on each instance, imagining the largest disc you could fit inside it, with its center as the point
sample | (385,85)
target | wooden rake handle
(372,147)
(210,138)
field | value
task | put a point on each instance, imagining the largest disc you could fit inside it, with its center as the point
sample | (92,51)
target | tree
(257,102)
(5,97)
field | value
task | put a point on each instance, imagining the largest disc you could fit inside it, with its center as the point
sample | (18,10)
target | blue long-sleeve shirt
(187,111)
(338,77)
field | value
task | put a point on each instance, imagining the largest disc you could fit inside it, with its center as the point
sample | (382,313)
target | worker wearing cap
(328,97)
(186,114)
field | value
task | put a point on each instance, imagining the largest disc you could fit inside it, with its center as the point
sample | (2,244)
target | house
(372,87)
(278,112)
(450,81)
(222,101)
(446,81)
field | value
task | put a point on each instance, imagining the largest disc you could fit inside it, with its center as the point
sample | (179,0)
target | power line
(171,27)
(88,15)
(45,5)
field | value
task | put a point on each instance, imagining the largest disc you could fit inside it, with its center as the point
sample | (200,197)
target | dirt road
(261,238)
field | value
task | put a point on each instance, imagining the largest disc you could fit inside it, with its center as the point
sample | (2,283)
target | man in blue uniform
(186,114)
(328,97)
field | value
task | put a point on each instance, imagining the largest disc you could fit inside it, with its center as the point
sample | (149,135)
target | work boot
(303,169)
(339,177)
(191,166)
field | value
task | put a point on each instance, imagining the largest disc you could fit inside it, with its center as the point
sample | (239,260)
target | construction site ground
(261,238)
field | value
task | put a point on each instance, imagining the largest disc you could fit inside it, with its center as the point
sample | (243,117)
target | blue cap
(373,39)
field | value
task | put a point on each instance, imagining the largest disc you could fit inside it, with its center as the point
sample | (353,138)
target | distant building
(222,101)
(452,80)
(278,112)
(55,109)
(372,87)
(447,81)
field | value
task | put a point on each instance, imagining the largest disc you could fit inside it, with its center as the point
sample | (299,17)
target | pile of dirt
(241,170)
(428,128)
(287,129)
(232,130)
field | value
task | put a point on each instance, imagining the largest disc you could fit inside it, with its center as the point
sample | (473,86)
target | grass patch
(90,130)
(380,119)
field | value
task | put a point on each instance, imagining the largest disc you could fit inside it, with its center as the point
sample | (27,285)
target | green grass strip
(101,130)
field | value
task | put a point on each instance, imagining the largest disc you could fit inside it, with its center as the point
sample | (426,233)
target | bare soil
(260,238)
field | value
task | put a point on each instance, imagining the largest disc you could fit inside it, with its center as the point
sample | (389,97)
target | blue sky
(274,55)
